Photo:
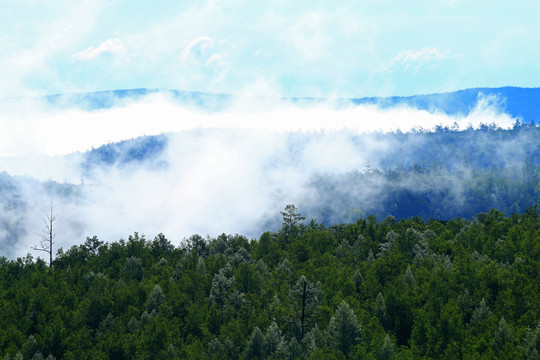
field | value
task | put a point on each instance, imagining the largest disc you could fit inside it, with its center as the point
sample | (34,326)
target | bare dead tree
(47,235)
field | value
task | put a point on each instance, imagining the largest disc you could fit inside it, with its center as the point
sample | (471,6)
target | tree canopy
(370,289)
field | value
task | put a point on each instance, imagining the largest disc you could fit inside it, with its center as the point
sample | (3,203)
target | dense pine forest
(371,289)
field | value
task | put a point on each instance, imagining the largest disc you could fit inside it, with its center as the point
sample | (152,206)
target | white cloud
(218,58)
(112,46)
(415,59)
(32,47)
(198,47)
(42,131)
(202,50)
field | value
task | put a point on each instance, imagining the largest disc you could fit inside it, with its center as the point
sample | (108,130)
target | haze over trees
(434,175)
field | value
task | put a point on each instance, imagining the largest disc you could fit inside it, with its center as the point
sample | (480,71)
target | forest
(368,289)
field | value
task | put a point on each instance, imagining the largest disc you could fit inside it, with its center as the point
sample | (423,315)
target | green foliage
(290,221)
(133,268)
(304,299)
(436,289)
(343,329)
(387,351)
(156,298)
(255,345)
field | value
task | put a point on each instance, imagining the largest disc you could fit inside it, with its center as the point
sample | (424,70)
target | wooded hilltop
(371,289)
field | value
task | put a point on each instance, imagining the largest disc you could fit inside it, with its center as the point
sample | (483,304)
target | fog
(228,171)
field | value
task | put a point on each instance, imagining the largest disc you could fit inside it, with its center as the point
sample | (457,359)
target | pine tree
(388,350)
(218,350)
(314,339)
(200,266)
(304,299)
(290,220)
(380,310)
(133,325)
(255,345)
(481,313)
(531,344)
(220,285)
(370,259)
(273,341)
(408,278)
(156,298)
(30,347)
(357,279)
(235,300)
(343,329)
(133,268)
(502,336)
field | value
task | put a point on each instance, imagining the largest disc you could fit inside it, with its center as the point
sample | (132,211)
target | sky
(277,47)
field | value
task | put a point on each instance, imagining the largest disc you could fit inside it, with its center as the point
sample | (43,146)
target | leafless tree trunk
(47,236)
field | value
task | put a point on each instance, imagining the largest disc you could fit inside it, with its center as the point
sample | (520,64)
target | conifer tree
(343,329)
(357,279)
(30,347)
(218,350)
(481,313)
(220,285)
(304,299)
(235,300)
(531,343)
(255,345)
(273,340)
(408,278)
(370,259)
(290,219)
(156,298)
(380,310)
(133,268)
(502,336)
(388,350)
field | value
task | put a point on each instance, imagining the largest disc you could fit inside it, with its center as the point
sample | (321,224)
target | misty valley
(399,255)
(269,180)
(351,241)
(333,177)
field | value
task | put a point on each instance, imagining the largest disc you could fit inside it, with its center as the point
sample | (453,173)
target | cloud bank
(229,171)
(34,128)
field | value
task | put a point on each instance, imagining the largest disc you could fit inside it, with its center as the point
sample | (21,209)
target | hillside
(370,289)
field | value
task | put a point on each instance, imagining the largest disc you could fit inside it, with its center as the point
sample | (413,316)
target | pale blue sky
(269,47)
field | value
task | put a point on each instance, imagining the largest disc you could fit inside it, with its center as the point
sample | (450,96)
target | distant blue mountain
(522,103)
(123,153)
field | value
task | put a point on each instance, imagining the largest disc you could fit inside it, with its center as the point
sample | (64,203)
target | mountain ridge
(518,102)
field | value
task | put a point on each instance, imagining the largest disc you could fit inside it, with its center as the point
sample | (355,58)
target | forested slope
(409,289)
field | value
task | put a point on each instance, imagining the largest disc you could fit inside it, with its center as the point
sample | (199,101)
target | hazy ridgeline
(210,181)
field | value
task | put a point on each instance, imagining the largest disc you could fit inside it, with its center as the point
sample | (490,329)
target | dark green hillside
(371,289)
